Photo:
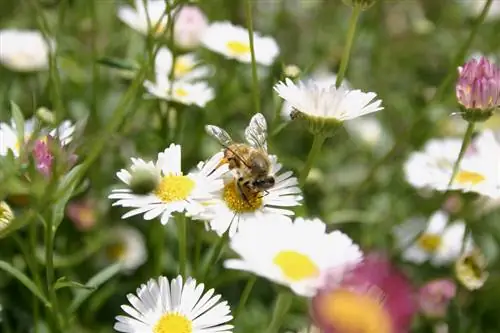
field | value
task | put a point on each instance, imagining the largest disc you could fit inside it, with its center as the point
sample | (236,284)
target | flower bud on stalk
(363,4)
(435,296)
(470,269)
(6,215)
(478,89)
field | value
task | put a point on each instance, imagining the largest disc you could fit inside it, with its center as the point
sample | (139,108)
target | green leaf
(21,277)
(95,281)
(63,282)
(68,183)
(18,117)
(118,63)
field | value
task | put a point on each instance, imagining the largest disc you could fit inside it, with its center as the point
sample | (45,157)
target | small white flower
(318,100)
(190,25)
(9,136)
(6,215)
(160,307)
(297,254)
(233,42)
(175,192)
(438,242)
(187,66)
(24,50)
(367,129)
(227,210)
(198,93)
(137,18)
(126,246)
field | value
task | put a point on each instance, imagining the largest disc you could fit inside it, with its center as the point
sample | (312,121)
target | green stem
(255,78)
(244,295)
(281,307)
(313,154)
(158,239)
(465,143)
(95,66)
(49,270)
(214,254)
(350,40)
(182,237)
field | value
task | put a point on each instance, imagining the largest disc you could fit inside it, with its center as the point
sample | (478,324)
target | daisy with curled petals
(175,307)
(233,43)
(187,66)
(432,240)
(173,191)
(150,11)
(297,254)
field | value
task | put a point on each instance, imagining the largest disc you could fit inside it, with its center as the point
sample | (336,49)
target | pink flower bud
(82,213)
(190,24)
(435,296)
(42,156)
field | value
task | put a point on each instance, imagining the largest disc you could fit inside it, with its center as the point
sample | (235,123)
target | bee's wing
(256,132)
(222,136)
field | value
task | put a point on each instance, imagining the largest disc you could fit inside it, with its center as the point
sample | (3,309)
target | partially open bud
(190,24)
(363,4)
(478,89)
(6,215)
(82,213)
(470,269)
(144,180)
(435,296)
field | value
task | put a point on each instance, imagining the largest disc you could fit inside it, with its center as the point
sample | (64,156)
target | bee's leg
(266,192)
(223,161)
(241,190)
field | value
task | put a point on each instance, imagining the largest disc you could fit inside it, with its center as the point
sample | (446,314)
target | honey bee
(250,161)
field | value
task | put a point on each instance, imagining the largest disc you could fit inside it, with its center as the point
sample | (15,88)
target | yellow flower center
(352,312)
(173,323)
(116,251)
(296,266)
(174,188)
(238,48)
(181,92)
(429,242)
(240,202)
(182,67)
(469,177)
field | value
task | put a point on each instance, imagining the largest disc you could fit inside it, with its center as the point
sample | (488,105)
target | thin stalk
(182,237)
(255,78)
(281,307)
(49,271)
(313,154)
(95,66)
(158,239)
(214,254)
(347,50)
(465,143)
(197,248)
(244,296)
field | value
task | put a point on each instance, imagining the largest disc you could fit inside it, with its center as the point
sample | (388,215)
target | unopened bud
(6,215)
(470,269)
(46,116)
(292,71)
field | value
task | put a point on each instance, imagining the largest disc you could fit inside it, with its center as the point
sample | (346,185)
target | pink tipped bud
(435,296)
(190,24)
(43,157)
(82,213)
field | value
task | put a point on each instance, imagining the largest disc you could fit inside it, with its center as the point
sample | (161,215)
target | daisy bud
(292,71)
(43,157)
(478,89)
(375,289)
(363,4)
(82,213)
(46,116)
(143,180)
(470,269)
(190,24)
(6,215)
(435,296)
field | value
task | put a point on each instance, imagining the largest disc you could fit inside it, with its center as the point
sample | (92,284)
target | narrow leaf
(118,63)
(24,280)
(18,117)
(69,183)
(94,282)
(63,282)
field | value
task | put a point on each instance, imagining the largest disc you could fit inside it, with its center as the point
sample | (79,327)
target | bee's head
(264,183)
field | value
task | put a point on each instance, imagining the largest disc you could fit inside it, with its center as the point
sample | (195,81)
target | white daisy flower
(9,136)
(126,246)
(137,18)
(24,50)
(438,242)
(233,42)
(228,210)
(198,93)
(187,66)
(175,192)
(177,307)
(478,172)
(315,100)
(6,215)
(299,254)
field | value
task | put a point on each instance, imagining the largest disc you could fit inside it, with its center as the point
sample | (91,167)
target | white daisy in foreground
(187,66)
(228,209)
(127,246)
(198,93)
(438,242)
(479,170)
(24,50)
(174,192)
(233,42)
(6,215)
(175,307)
(9,136)
(137,18)
(325,102)
(297,254)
